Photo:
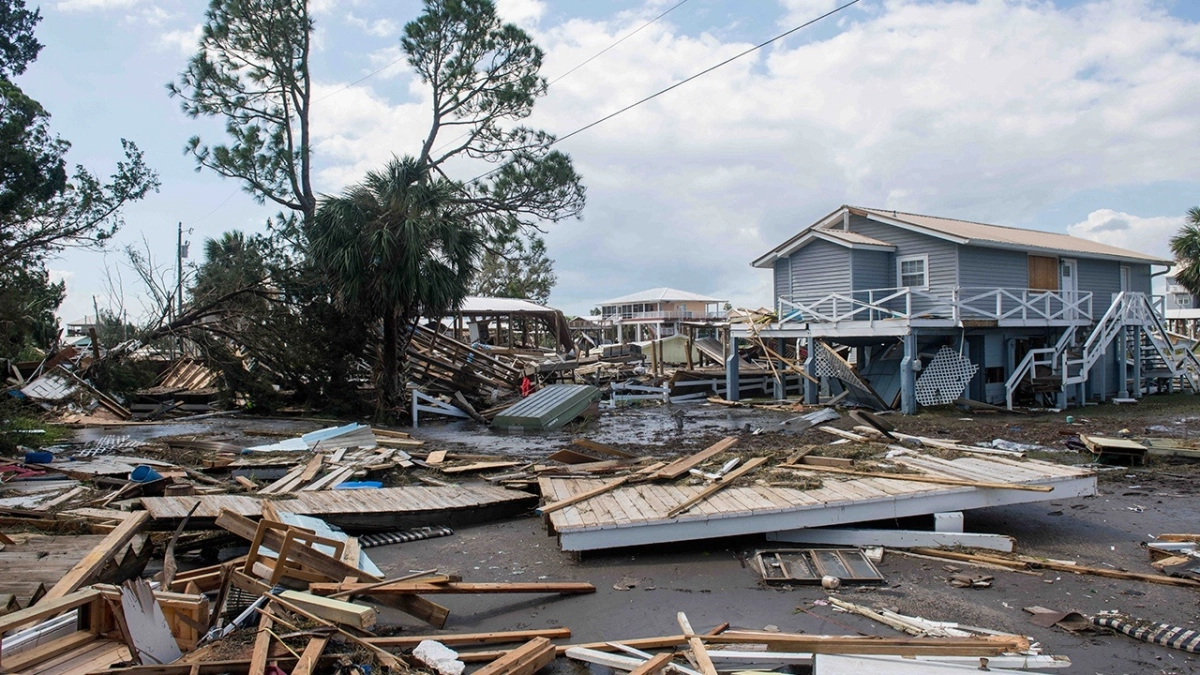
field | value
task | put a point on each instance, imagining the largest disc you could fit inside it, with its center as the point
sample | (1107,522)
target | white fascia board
(768,259)
(1066,253)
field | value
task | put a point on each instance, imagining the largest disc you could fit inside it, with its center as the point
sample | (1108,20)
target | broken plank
(421,587)
(479,466)
(852,644)
(921,478)
(436,457)
(894,538)
(601,448)
(571,457)
(330,609)
(463,639)
(697,645)
(312,653)
(1028,562)
(312,468)
(582,496)
(681,466)
(654,664)
(720,484)
(90,566)
(524,660)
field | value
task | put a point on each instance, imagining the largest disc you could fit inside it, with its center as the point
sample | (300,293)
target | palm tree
(396,247)
(1186,247)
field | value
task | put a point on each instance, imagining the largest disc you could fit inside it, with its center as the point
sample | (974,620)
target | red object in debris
(526,387)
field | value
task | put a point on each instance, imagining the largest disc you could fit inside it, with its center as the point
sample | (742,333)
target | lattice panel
(830,364)
(945,378)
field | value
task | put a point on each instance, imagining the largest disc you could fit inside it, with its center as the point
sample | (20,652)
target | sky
(1070,116)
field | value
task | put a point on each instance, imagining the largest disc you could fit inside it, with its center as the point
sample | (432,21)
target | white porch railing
(1005,305)
(663,315)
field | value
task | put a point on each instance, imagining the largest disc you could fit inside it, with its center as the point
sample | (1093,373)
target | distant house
(660,312)
(1182,309)
(1037,314)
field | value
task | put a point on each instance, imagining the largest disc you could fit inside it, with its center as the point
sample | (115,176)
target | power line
(627,36)
(217,208)
(704,72)
(362,79)
(591,58)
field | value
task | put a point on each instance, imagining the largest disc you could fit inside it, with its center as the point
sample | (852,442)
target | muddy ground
(640,590)
(713,584)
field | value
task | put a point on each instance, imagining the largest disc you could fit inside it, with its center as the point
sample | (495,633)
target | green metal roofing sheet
(549,408)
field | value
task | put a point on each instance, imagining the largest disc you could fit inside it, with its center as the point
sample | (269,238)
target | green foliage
(17,416)
(18,47)
(123,377)
(252,70)
(393,248)
(484,78)
(518,270)
(1186,247)
(27,304)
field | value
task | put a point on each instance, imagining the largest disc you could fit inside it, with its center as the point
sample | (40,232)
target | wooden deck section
(386,508)
(636,515)
(38,561)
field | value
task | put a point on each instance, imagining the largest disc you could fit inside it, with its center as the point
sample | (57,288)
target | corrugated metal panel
(1012,236)
(819,269)
(550,408)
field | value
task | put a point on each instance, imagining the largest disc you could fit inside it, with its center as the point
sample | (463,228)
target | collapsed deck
(636,515)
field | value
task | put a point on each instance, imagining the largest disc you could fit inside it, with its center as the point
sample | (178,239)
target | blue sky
(1068,116)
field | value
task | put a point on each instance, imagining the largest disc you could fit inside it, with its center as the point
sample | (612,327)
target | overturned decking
(636,515)
(357,510)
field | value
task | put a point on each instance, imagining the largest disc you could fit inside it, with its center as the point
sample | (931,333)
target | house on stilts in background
(899,310)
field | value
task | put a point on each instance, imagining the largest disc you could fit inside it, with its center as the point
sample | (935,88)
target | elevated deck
(896,311)
(636,515)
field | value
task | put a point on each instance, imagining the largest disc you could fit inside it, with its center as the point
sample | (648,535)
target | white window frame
(900,260)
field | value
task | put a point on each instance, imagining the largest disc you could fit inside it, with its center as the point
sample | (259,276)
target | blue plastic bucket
(144,474)
(39,457)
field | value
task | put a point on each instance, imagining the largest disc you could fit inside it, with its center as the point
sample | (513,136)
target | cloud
(94,5)
(989,110)
(1147,235)
(377,27)
(184,41)
(524,13)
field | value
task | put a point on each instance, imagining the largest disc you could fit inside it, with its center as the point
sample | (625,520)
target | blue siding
(783,279)
(992,268)
(943,255)
(818,269)
(1103,279)
(872,269)
(1139,277)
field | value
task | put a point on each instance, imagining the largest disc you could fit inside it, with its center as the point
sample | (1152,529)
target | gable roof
(663,294)
(966,232)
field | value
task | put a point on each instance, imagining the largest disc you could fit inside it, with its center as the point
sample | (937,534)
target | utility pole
(179,270)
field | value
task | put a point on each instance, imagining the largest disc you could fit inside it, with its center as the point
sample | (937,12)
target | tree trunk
(390,364)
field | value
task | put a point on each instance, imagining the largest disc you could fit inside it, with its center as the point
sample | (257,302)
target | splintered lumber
(313,468)
(464,639)
(848,435)
(697,646)
(421,587)
(582,496)
(654,664)
(524,660)
(337,611)
(571,457)
(988,645)
(436,457)
(1025,562)
(681,466)
(920,478)
(601,448)
(720,484)
(479,466)
(312,653)
(386,659)
(262,645)
(424,576)
(86,570)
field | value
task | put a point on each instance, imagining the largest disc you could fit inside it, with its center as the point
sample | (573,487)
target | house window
(913,271)
(1185,301)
